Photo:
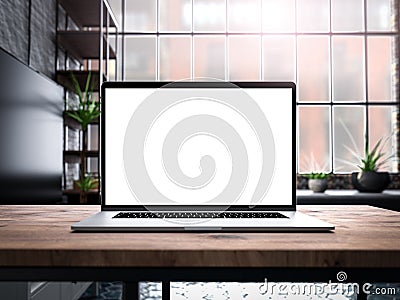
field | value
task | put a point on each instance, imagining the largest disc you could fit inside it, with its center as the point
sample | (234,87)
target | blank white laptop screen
(198,148)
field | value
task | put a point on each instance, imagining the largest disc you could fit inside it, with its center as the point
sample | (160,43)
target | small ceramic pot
(317,185)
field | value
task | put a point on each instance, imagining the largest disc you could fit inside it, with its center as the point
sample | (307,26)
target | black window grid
(365,103)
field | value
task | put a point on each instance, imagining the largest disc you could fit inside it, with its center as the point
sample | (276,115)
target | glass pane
(313,15)
(348,68)
(209,56)
(116,7)
(140,58)
(71,138)
(379,15)
(93,137)
(244,58)
(313,68)
(244,16)
(92,165)
(380,61)
(175,53)
(348,140)
(314,139)
(381,126)
(209,15)
(71,173)
(175,15)
(278,16)
(279,58)
(347,15)
(140,15)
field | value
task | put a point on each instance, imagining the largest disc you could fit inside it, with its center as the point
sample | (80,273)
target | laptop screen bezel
(193,84)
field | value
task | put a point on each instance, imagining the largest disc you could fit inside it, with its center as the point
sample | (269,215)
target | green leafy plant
(317,175)
(309,162)
(88,107)
(374,159)
(87,183)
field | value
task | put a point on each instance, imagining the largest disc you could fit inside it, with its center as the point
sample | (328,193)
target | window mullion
(331,124)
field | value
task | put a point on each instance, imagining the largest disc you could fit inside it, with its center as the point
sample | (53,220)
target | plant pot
(317,185)
(370,182)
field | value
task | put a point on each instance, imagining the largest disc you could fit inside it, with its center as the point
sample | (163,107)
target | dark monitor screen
(31,134)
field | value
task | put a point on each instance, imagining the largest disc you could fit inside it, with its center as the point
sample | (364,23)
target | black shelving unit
(83,38)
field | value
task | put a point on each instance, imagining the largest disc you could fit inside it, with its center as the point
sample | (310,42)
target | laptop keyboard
(193,215)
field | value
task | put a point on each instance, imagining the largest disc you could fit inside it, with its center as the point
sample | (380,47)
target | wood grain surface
(40,236)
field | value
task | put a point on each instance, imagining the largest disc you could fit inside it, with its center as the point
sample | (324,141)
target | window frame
(365,103)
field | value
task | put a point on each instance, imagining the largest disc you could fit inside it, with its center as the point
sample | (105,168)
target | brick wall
(28,31)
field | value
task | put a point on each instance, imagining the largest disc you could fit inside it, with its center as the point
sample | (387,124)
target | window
(343,55)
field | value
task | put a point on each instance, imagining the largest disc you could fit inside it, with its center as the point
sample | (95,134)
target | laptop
(198,156)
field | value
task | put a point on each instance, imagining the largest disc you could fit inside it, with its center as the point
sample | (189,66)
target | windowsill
(346,193)
(389,199)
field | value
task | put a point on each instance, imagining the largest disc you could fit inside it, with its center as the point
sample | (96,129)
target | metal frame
(186,84)
(363,102)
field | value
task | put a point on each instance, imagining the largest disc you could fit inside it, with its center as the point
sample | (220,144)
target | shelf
(83,44)
(86,13)
(88,153)
(77,192)
(64,78)
(74,156)
(73,197)
(388,199)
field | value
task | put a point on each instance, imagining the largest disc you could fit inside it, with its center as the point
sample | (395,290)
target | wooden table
(36,243)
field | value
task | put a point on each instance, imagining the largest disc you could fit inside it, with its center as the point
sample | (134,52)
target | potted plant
(317,182)
(88,110)
(87,183)
(370,180)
